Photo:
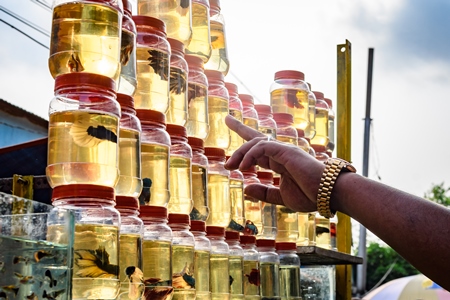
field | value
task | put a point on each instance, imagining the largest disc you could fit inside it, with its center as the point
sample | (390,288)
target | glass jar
(333,232)
(130,182)
(178,86)
(218,188)
(183,244)
(85,37)
(152,64)
(251,268)
(322,231)
(156,252)
(175,14)
(237,222)
(331,117)
(320,152)
(252,206)
(219,133)
(83,126)
(250,115)
(236,110)
(235,265)
(266,123)
(219,268)
(180,172)
(198,121)
(322,111)
(289,94)
(200,211)
(310,130)
(219,57)
(201,260)
(302,142)
(269,210)
(200,44)
(269,266)
(96,243)
(311,229)
(130,246)
(289,271)
(303,229)
(155,144)
(127,78)
(286,131)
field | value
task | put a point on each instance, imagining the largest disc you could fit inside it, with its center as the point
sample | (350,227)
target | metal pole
(362,269)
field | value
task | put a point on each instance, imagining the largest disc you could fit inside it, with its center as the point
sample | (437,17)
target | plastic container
(322,232)
(198,122)
(333,232)
(287,223)
(201,260)
(303,229)
(289,94)
(218,188)
(219,265)
(250,115)
(200,44)
(251,268)
(219,133)
(178,85)
(175,14)
(322,110)
(236,110)
(219,60)
(128,77)
(97,225)
(156,252)
(286,132)
(155,144)
(269,266)
(302,142)
(320,153)
(289,271)
(266,123)
(183,245)
(269,210)
(236,265)
(83,127)
(200,211)
(310,130)
(331,117)
(180,172)
(152,64)
(252,207)
(85,37)
(130,182)
(237,222)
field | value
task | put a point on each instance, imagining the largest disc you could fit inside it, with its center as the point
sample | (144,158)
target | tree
(439,194)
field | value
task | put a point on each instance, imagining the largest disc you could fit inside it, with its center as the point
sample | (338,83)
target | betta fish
(146,194)
(86,132)
(159,63)
(184,279)
(236,226)
(136,285)
(95,264)
(253,277)
(177,82)
(74,63)
(250,228)
(291,99)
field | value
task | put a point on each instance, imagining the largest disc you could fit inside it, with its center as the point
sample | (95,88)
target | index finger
(245,132)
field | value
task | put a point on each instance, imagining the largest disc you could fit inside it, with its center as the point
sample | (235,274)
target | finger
(264,193)
(235,159)
(242,130)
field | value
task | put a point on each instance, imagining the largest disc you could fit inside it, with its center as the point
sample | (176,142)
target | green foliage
(439,194)
(380,259)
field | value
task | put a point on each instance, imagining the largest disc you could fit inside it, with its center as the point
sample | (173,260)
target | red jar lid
(147,115)
(179,219)
(265,175)
(80,80)
(214,4)
(232,235)
(215,231)
(283,118)
(198,226)
(231,87)
(214,75)
(251,170)
(193,61)
(125,100)
(286,246)
(125,202)
(195,143)
(248,239)
(176,46)
(276,181)
(319,148)
(247,99)
(157,24)
(176,130)
(212,152)
(83,191)
(263,109)
(153,211)
(319,95)
(127,6)
(265,243)
(300,133)
(289,74)
(329,102)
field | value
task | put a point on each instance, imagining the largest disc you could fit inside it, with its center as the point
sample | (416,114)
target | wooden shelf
(312,255)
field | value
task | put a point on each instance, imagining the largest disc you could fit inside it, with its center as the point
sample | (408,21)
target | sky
(411,75)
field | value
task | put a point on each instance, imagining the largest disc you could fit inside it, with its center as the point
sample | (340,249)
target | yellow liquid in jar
(82,149)
(253,216)
(200,44)
(287,139)
(321,137)
(237,205)
(85,38)
(236,266)
(251,122)
(180,185)
(130,246)
(219,56)
(290,283)
(152,90)
(219,273)
(198,120)
(311,229)
(303,229)
(127,79)
(294,102)
(155,174)
(270,282)
(323,233)
(199,193)
(219,200)
(175,14)
(270,132)
(157,267)
(201,274)
(251,278)
(269,221)
(219,133)
(287,223)
(182,272)
(331,139)
(130,182)
(178,105)
(235,140)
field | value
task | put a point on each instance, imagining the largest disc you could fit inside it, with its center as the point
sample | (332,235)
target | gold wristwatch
(333,167)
